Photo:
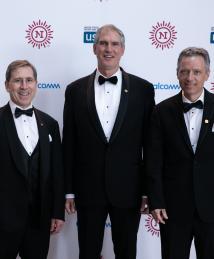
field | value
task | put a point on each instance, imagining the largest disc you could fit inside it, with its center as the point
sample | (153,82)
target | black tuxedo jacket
(13,185)
(179,179)
(98,171)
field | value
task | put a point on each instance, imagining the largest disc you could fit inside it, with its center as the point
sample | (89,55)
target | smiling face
(109,51)
(22,86)
(192,74)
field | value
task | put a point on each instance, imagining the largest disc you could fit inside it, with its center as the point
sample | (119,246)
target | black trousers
(29,243)
(124,227)
(176,239)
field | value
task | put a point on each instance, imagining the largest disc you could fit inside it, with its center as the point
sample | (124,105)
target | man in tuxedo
(180,162)
(106,117)
(31,186)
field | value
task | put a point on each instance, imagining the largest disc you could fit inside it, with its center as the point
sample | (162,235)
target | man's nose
(24,84)
(108,47)
(190,75)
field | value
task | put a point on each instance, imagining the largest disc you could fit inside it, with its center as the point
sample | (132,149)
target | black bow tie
(188,106)
(19,112)
(112,80)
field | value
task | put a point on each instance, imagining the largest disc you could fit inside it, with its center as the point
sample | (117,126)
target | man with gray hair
(106,117)
(180,162)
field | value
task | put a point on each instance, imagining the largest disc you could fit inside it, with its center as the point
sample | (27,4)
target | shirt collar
(13,106)
(185,100)
(118,74)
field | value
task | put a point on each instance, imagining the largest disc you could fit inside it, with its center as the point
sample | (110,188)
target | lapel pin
(126,91)
(42,124)
(206,121)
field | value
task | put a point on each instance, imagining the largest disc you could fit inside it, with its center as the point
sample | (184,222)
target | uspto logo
(152,226)
(39,34)
(163,35)
(89,34)
(212,35)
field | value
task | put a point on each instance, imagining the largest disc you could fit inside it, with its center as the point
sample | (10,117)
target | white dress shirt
(27,129)
(193,119)
(107,99)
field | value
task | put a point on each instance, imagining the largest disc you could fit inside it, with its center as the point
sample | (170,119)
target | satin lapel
(122,106)
(14,142)
(207,116)
(92,108)
(44,145)
(179,120)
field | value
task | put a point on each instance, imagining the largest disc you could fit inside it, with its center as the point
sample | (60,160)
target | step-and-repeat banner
(57,36)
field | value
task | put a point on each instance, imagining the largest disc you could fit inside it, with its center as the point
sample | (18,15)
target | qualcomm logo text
(49,85)
(163,86)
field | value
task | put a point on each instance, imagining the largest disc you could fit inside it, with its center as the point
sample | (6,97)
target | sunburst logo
(152,226)
(39,34)
(163,35)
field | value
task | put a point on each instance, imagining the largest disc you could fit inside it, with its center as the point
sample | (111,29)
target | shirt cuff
(69,196)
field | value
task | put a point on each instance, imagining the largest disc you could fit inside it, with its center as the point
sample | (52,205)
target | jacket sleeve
(154,163)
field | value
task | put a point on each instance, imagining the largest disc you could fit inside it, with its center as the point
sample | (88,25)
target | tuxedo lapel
(122,106)
(44,145)
(207,116)
(92,108)
(178,116)
(14,142)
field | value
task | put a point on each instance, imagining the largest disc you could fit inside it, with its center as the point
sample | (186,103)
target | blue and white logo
(49,86)
(212,35)
(89,34)
(165,86)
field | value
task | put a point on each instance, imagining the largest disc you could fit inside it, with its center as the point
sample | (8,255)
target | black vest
(32,167)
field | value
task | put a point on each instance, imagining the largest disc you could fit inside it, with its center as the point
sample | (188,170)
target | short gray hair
(110,27)
(194,51)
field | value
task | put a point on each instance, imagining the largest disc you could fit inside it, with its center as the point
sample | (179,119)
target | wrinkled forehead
(196,60)
(107,33)
(23,71)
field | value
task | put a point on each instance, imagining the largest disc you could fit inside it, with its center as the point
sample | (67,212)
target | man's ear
(7,87)
(94,48)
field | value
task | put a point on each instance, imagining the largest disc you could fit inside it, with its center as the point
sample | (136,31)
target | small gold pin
(126,91)
(206,121)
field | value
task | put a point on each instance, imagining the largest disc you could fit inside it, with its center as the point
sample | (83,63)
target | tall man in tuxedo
(31,186)
(106,117)
(180,162)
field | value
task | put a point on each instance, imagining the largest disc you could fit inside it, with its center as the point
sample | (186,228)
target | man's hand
(56,225)
(70,205)
(159,215)
(144,209)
